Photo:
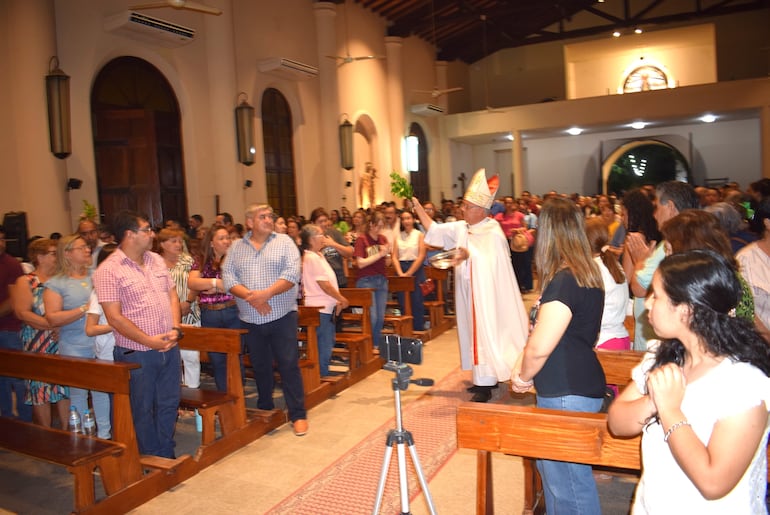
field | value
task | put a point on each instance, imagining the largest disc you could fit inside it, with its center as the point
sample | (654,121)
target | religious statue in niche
(645,78)
(366,184)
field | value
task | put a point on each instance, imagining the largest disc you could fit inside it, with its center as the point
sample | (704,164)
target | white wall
(573,163)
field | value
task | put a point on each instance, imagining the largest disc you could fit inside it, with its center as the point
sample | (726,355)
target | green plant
(400,187)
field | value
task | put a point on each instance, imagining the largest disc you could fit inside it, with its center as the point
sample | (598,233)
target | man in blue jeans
(139,299)
(10,270)
(262,271)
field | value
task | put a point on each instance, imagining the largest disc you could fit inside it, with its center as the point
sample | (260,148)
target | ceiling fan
(347,58)
(436,92)
(179,4)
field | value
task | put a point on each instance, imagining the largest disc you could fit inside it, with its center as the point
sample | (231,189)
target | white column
(518,163)
(395,91)
(326,39)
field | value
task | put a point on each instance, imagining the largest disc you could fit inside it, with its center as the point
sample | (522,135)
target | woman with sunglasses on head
(66,298)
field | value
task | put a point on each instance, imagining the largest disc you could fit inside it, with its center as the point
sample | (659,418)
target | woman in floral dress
(37,334)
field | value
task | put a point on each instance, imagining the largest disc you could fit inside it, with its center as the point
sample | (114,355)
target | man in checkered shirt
(262,271)
(139,299)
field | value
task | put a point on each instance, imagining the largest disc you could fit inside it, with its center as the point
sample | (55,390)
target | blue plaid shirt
(258,269)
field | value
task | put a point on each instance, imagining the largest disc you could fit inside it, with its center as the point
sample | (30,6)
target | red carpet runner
(349,485)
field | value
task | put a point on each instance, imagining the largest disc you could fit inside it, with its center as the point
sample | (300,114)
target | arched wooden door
(137,142)
(277,137)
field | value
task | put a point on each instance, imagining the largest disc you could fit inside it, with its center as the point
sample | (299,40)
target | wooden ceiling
(468,30)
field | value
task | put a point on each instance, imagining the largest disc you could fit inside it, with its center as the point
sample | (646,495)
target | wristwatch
(179,333)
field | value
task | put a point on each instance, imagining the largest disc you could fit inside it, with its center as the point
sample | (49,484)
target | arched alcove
(641,162)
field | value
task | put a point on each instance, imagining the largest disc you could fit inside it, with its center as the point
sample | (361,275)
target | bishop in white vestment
(492,324)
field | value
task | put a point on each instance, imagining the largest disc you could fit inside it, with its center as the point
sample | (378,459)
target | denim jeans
(79,397)
(569,488)
(325,335)
(277,341)
(221,319)
(11,385)
(154,393)
(379,300)
(418,306)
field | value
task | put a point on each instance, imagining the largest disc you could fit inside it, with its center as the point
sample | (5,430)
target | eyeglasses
(82,247)
(147,230)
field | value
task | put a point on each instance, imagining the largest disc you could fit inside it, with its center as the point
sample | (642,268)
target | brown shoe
(300,427)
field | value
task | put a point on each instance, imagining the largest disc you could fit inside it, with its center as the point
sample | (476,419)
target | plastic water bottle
(89,424)
(74,425)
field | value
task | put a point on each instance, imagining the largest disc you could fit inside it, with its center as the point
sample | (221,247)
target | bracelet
(521,381)
(674,428)
(179,333)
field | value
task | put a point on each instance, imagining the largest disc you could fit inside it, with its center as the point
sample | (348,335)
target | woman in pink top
(319,284)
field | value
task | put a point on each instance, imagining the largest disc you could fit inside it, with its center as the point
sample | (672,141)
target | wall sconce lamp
(412,154)
(346,143)
(74,184)
(57,89)
(244,130)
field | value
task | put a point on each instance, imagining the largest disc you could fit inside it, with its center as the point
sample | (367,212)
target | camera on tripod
(401,350)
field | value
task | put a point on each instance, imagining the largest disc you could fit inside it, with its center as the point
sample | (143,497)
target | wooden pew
(402,324)
(533,433)
(358,339)
(316,391)
(118,460)
(439,321)
(238,426)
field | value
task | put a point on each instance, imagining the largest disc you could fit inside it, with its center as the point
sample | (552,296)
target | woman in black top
(559,358)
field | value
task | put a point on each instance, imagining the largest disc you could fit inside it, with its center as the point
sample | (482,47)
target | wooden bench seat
(78,453)
(357,338)
(403,324)
(534,433)
(316,390)
(439,321)
(118,460)
(229,408)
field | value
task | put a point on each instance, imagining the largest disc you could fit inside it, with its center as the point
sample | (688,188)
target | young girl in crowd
(701,400)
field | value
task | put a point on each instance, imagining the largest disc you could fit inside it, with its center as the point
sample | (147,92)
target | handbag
(427,287)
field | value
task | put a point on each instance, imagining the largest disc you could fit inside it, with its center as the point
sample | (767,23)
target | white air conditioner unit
(427,110)
(287,69)
(149,29)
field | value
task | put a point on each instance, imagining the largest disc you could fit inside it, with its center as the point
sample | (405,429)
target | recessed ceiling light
(616,34)
(638,125)
(509,137)
(574,131)
(708,118)
(638,30)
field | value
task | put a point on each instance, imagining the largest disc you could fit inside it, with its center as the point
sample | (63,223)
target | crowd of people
(692,266)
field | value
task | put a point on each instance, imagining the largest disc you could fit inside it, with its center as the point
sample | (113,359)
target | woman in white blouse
(408,261)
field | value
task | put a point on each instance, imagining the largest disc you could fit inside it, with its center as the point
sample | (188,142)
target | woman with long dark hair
(637,213)
(700,400)
(372,255)
(559,358)
(217,306)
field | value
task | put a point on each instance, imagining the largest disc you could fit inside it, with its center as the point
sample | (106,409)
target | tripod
(398,437)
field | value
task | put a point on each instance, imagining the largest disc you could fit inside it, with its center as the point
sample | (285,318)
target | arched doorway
(279,153)
(419,180)
(641,162)
(137,142)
